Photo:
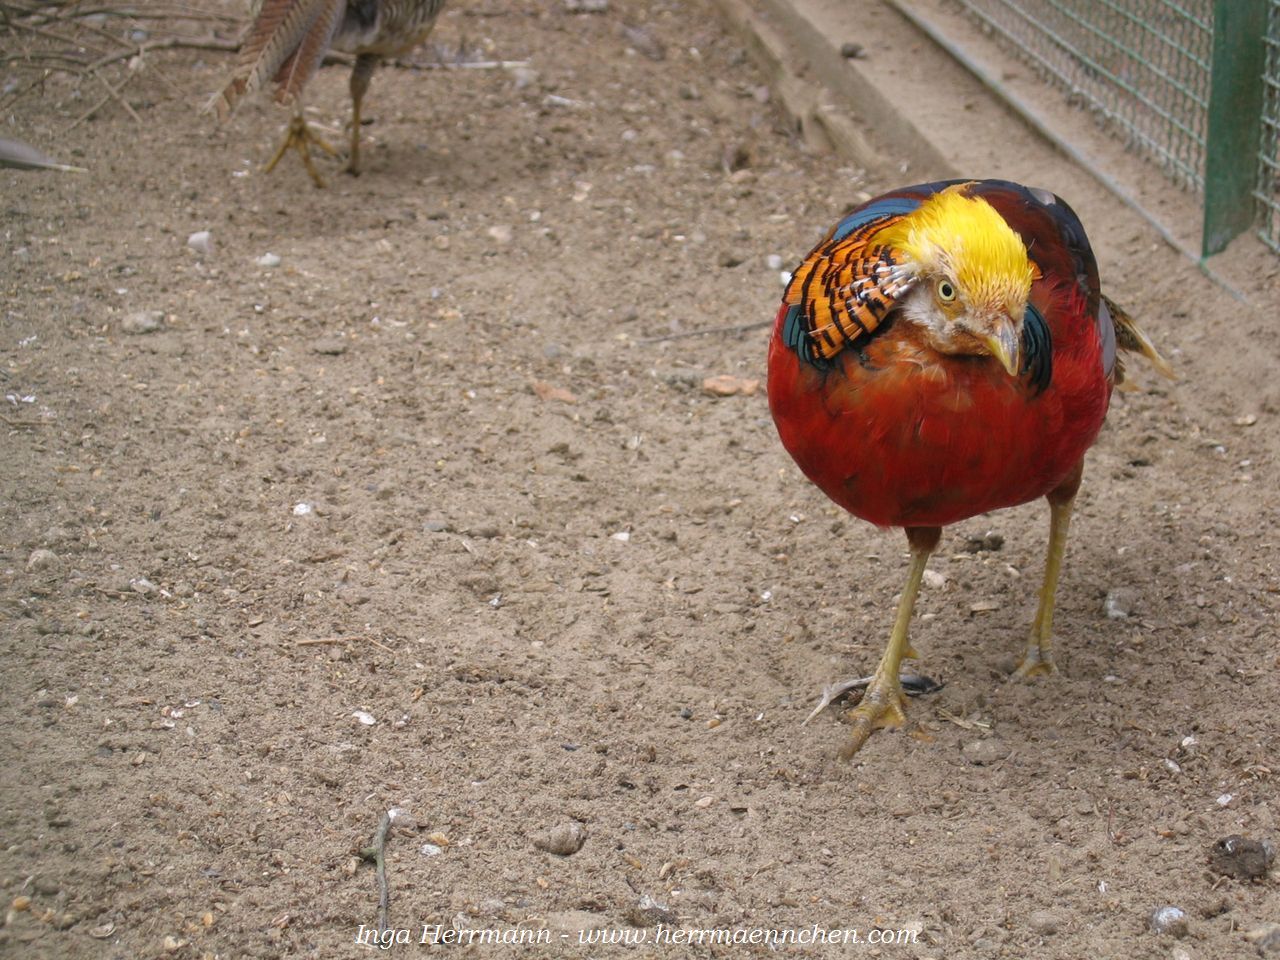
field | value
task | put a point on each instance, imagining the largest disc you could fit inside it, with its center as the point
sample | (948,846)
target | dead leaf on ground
(548,391)
(726,385)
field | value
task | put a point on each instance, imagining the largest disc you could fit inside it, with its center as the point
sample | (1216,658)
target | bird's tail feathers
(284,45)
(1129,336)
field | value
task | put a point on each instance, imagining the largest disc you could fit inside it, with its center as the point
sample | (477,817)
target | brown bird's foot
(1037,661)
(299,137)
(883,705)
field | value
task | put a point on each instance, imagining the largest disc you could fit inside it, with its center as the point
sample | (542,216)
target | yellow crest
(964,238)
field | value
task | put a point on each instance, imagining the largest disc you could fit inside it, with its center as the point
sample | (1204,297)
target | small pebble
(1242,857)
(1168,919)
(524,77)
(773,261)
(402,821)
(268,260)
(1118,605)
(852,51)
(201,242)
(142,321)
(501,233)
(431,850)
(563,840)
(643,42)
(586,6)
(1045,922)
(367,719)
(1265,939)
(934,580)
(42,560)
(988,542)
(648,912)
(986,751)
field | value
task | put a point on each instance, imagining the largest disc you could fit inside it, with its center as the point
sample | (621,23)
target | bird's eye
(946,291)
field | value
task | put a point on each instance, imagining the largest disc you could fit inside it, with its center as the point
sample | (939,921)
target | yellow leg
(1038,658)
(298,135)
(883,704)
(361,74)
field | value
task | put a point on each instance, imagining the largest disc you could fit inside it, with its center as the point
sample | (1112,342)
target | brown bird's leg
(361,74)
(298,135)
(883,703)
(1038,658)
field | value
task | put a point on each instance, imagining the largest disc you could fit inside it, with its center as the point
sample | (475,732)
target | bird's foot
(299,137)
(883,705)
(913,685)
(1037,661)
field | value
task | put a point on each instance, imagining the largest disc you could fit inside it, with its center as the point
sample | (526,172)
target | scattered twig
(112,94)
(708,331)
(166,43)
(23,423)
(347,59)
(115,92)
(319,641)
(962,722)
(377,852)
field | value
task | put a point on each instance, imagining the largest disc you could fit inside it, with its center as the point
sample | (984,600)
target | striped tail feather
(284,45)
(1129,337)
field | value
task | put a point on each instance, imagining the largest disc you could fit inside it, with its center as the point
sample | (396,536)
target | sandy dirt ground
(435,514)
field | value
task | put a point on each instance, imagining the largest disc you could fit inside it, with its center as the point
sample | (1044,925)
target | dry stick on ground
(377,852)
(708,331)
(23,423)
(113,93)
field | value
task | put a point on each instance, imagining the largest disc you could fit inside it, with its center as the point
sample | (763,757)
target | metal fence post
(1235,120)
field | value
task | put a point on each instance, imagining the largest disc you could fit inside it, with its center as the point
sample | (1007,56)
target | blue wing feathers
(877,210)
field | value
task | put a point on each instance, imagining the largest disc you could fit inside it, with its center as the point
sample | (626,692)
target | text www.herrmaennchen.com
(431,934)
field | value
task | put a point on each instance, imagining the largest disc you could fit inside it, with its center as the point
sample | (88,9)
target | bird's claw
(913,685)
(300,137)
(1037,661)
(883,705)
(833,692)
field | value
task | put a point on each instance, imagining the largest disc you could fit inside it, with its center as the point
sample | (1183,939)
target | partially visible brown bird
(288,39)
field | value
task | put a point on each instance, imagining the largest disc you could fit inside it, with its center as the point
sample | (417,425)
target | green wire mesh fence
(1140,66)
(1268,191)
(1179,81)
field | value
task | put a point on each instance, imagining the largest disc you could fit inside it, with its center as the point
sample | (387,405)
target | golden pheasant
(288,39)
(946,351)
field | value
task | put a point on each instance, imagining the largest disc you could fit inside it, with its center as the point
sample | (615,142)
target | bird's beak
(1005,344)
